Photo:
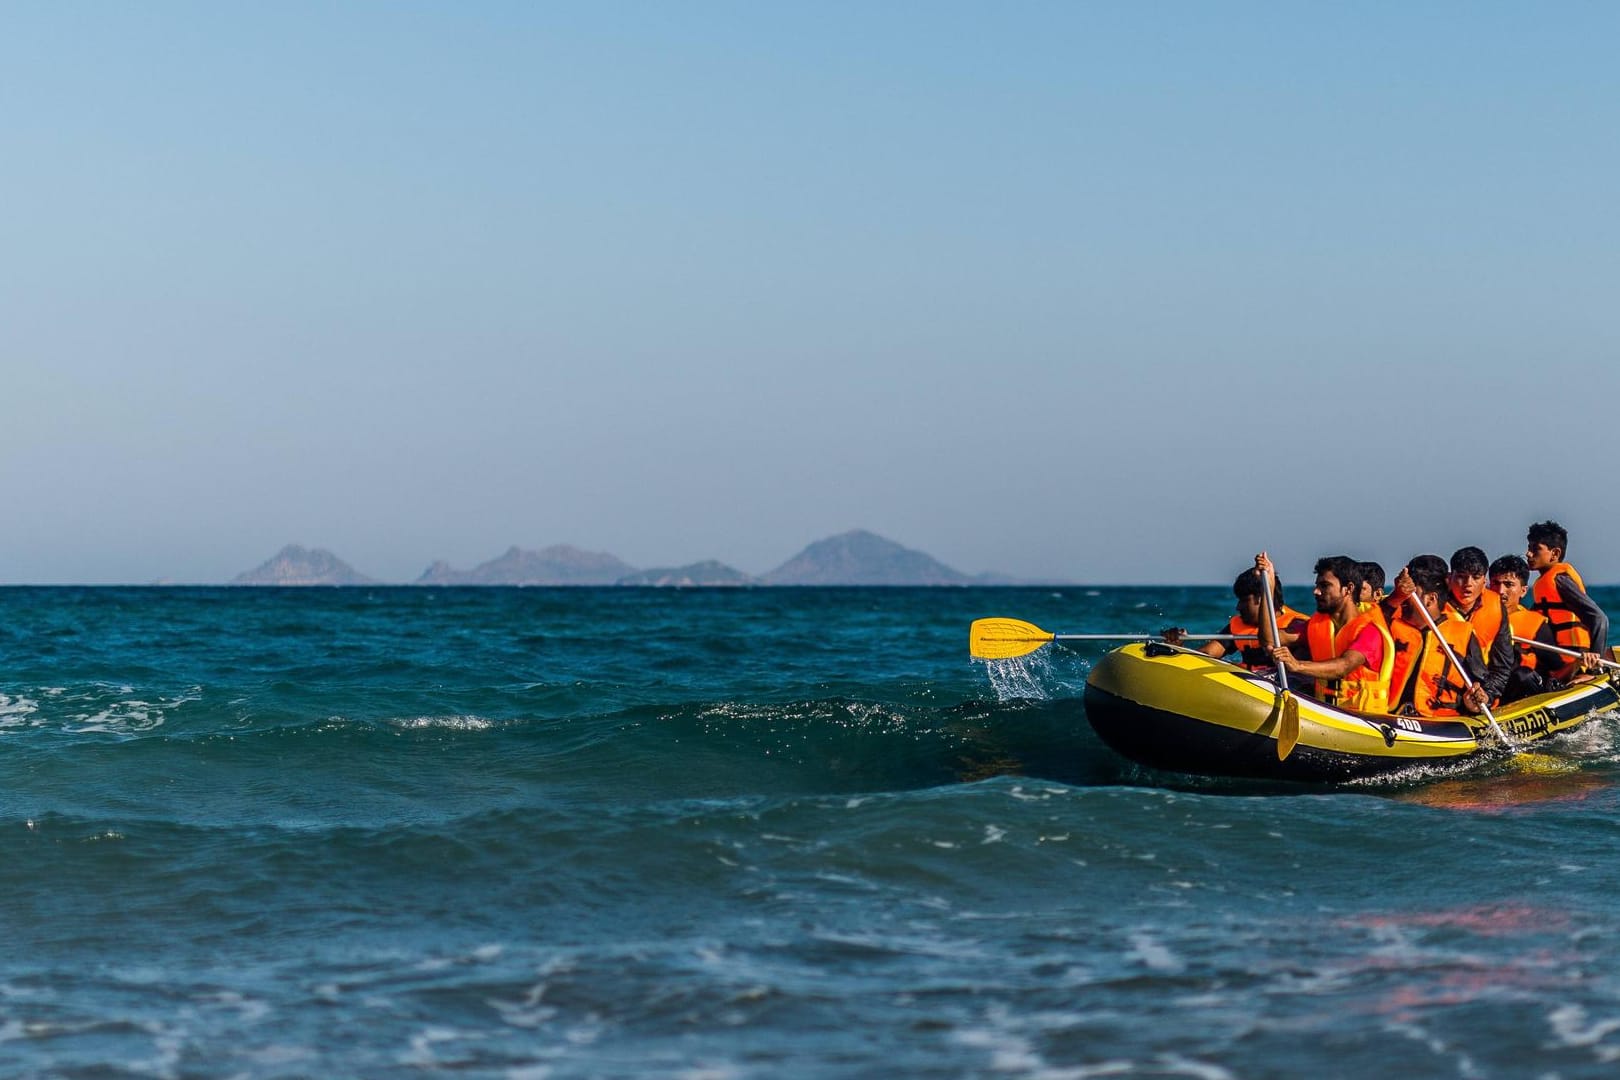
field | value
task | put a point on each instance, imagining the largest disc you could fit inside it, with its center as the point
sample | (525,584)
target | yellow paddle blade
(1288,726)
(1543,764)
(1003,639)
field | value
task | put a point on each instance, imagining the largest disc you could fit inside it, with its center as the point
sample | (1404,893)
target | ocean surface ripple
(737,833)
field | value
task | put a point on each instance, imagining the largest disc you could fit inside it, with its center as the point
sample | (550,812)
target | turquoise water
(711,833)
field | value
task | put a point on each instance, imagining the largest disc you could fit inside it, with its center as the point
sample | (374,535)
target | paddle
(1288,721)
(1004,639)
(1560,650)
(1417,602)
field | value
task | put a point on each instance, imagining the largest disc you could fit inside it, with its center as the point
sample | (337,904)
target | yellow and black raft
(1175,709)
(1183,711)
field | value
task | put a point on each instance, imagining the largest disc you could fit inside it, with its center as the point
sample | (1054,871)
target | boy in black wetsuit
(1560,594)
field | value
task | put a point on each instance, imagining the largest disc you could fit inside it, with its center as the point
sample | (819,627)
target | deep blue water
(713,833)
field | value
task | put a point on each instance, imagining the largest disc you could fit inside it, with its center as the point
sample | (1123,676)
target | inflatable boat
(1182,711)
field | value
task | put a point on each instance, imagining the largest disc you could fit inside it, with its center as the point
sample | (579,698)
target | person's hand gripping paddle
(1288,720)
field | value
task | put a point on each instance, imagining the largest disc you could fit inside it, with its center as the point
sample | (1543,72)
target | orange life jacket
(1408,641)
(1246,636)
(1487,619)
(1364,689)
(1439,687)
(1527,624)
(1567,627)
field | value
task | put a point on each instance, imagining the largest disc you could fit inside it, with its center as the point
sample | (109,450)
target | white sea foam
(1435,1045)
(1176,1065)
(128,716)
(528,1012)
(584,1034)
(248,1009)
(1593,740)
(1017,792)
(424,1053)
(452,723)
(1153,954)
(15,711)
(1008,1052)
(1008,1042)
(1022,678)
(1572,1027)
(120,718)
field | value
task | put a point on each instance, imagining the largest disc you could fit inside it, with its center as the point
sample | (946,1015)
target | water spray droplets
(1022,678)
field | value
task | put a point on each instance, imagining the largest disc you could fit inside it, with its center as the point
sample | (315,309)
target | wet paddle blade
(1288,726)
(1543,764)
(1003,639)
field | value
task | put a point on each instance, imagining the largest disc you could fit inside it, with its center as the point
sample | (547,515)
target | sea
(739,833)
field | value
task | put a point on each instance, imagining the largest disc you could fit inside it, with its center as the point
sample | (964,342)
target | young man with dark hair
(1559,594)
(1405,624)
(1350,649)
(1510,579)
(1372,584)
(1245,648)
(1485,611)
(1428,684)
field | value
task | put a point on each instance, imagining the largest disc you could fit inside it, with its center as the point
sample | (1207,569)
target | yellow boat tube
(1182,711)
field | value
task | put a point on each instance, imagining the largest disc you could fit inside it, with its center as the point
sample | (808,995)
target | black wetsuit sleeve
(1503,659)
(1475,663)
(1591,616)
(1409,691)
(1546,659)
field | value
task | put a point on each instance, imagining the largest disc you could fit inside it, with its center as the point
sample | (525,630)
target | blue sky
(1102,292)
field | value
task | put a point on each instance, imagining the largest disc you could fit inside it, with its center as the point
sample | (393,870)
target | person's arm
(1475,660)
(1546,659)
(1475,698)
(1268,581)
(1336,668)
(1503,659)
(1401,591)
(1591,616)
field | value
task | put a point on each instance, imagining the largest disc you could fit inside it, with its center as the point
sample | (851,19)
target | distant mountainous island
(560,564)
(857,557)
(294,565)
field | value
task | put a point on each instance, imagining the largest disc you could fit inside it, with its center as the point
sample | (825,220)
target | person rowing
(1510,579)
(1486,613)
(1349,649)
(1372,583)
(1560,594)
(1426,683)
(1244,626)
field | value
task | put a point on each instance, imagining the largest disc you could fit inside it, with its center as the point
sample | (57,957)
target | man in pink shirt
(1343,642)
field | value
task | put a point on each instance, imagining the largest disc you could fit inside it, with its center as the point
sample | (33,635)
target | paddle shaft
(1141,637)
(1271,619)
(1287,707)
(1456,663)
(1561,651)
(1007,639)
